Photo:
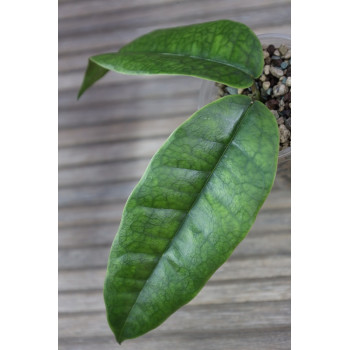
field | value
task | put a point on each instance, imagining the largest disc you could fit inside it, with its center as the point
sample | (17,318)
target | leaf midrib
(232,65)
(234,133)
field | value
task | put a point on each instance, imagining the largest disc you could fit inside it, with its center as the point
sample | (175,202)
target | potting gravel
(273,88)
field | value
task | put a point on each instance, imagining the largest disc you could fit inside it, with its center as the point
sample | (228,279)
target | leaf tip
(119,338)
(81,91)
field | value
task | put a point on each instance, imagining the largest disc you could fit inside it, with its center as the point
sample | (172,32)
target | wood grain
(259,267)
(226,317)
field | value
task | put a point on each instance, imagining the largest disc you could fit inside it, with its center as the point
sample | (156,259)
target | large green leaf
(224,51)
(196,201)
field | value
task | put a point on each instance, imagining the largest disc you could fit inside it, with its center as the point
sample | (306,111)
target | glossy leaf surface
(196,201)
(224,51)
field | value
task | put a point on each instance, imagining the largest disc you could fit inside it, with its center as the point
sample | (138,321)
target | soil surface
(273,88)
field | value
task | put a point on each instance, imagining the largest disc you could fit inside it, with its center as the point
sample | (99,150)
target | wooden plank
(252,245)
(73,9)
(234,269)
(242,291)
(86,33)
(150,108)
(191,318)
(120,191)
(70,9)
(89,154)
(131,91)
(102,173)
(95,195)
(111,173)
(117,37)
(102,234)
(86,216)
(273,218)
(276,338)
(119,131)
(71,66)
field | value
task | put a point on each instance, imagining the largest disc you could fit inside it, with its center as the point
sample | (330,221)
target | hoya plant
(203,189)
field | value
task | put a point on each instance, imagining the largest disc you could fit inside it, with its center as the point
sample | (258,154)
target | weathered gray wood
(130,91)
(74,62)
(73,9)
(234,269)
(102,173)
(273,338)
(242,291)
(69,8)
(202,318)
(120,191)
(252,245)
(127,150)
(95,195)
(93,215)
(87,114)
(151,19)
(119,131)
(111,213)
(102,234)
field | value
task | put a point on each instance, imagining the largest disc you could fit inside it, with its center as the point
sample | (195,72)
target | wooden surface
(105,142)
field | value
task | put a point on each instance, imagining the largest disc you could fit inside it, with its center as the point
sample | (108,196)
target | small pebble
(266,54)
(280,121)
(272,104)
(288,123)
(284,65)
(270,49)
(276,53)
(276,72)
(275,113)
(287,55)
(284,133)
(266,85)
(286,113)
(269,90)
(279,90)
(283,49)
(263,77)
(267,70)
(276,63)
(288,82)
(287,97)
(231,90)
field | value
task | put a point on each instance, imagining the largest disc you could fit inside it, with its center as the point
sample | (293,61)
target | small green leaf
(196,201)
(224,51)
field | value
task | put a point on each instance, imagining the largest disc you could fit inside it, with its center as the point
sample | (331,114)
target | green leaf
(196,201)
(224,51)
